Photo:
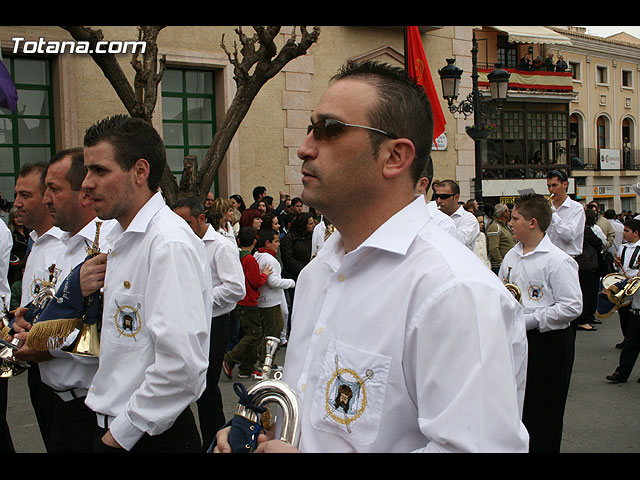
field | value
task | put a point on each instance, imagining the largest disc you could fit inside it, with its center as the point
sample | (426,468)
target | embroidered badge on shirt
(346,395)
(535,292)
(127,320)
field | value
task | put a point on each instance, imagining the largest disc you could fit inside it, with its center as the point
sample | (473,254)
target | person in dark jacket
(295,252)
(588,274)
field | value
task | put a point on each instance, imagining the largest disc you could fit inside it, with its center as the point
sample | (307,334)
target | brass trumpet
(512,287)
(9,367)
(274,391)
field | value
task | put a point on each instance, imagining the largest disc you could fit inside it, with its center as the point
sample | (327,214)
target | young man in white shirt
(550,293)
(154,343)
(376,357)
(627,262)
(567,223)
(447,194)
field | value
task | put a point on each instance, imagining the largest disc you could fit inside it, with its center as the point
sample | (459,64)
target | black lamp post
(474,104)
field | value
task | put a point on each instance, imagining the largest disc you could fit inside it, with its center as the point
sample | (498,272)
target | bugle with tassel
(70,311)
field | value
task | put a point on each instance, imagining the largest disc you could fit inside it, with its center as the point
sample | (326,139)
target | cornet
(9,367)
(512,287)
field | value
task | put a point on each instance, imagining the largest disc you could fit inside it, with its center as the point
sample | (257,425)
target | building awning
(533,34)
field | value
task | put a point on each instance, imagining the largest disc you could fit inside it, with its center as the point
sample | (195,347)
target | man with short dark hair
(378,362)
(258,193)
(567,224)
(45,251)
(73,425)
(447,194)
(154,348)
(227,281)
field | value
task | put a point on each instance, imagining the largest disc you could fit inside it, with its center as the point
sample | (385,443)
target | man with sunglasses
(402,340)
(447,194)
(567,223)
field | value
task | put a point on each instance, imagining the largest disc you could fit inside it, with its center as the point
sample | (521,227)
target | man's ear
(141,170)
(398,155)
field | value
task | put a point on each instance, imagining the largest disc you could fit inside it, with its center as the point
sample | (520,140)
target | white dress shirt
(567,227)
(68,375)
(467,227)
(227,276)
(6,244)
(630,262)
(548,281)
(45,251)
(272,292)
(618,228)
(154,344)
(420,341)
(442,219)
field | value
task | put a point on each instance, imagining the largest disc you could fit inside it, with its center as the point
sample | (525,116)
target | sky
(605,31)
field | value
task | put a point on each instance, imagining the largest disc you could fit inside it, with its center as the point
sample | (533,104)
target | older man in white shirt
(377,359)
(447,193)
(73,426)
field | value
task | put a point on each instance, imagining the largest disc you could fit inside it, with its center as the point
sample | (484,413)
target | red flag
(418,69)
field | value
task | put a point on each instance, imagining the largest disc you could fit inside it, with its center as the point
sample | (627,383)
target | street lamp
(474,104)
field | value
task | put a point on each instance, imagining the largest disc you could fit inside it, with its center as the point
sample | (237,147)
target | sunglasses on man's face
(330,129)
(443,196)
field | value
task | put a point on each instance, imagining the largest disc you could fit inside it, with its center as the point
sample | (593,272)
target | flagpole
(406,61)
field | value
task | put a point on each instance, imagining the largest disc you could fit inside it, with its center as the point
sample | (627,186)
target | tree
(255,63)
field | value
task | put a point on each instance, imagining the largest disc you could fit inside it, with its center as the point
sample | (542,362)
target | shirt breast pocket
(124,324)
(349,396)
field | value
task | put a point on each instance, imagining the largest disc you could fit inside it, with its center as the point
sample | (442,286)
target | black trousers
(549,367)
(42,398)
(6,444)
(631,347)
(210,411)
(589,284)
(73,427)
(181,437)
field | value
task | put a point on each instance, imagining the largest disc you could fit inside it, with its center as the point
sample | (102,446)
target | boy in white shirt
(550,294)
(271,296)
(627,261)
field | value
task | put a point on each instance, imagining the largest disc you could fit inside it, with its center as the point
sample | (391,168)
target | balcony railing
(589,159)
(532,80)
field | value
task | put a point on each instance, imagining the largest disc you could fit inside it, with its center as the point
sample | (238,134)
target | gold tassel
(4,334)
(51,333)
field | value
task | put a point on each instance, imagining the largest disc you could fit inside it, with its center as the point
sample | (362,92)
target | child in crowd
(271,297)
(627,261)
(551,296)
(245,353)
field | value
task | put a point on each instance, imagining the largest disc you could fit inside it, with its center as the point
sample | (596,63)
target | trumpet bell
(87,343)
(9,367)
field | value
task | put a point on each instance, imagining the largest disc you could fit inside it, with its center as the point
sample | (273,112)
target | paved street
(600,417)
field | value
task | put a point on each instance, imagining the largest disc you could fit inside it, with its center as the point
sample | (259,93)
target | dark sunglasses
(330,129)
(443,196)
